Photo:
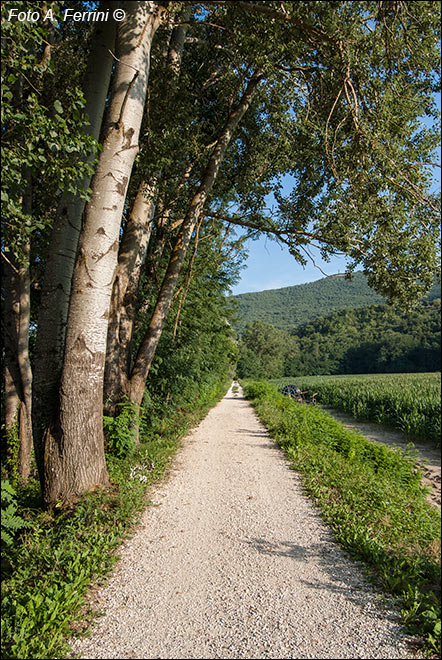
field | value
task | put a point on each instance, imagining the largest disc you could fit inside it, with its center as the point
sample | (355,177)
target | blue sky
(271,266)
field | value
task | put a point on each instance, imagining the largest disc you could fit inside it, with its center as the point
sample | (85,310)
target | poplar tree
(73,444)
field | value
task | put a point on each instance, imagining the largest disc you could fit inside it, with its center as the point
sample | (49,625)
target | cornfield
(408,402)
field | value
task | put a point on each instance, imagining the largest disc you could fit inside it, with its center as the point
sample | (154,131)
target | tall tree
(44,150)
(136,237)
(62,248)
(18,373)
(73,445)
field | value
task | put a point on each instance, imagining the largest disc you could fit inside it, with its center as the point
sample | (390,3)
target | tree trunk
(56,287)
(133,253)
(24,365)
(124,294)
(149,344)
(74,445)
(17,367)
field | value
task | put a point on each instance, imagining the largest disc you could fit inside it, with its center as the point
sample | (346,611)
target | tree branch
(318,34)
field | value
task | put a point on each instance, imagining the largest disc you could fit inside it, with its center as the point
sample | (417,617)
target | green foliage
(12,523)
(10,452)
(358,339)
(375,339)
(44,146)
(121,431)
(258,389)
(408,402)
(293,307)
(371,497)
(354,145)
(262,349)
(197,349)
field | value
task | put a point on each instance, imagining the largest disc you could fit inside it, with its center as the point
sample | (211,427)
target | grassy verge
(47,570)
(371,496)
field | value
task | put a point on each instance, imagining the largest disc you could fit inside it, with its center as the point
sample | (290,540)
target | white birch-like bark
(133,251)
(56,286)
(131,258)
(24,365)
(74,445)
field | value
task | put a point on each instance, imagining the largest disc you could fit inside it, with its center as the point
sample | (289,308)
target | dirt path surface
(233,561)
(427,455)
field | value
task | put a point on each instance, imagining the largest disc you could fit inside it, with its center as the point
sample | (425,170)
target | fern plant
(11,522)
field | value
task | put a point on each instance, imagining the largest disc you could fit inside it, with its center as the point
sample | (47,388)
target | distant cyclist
(293,392)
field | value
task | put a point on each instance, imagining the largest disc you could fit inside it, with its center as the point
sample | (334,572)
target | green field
(408,402)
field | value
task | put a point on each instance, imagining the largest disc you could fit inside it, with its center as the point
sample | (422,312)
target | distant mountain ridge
(292,306)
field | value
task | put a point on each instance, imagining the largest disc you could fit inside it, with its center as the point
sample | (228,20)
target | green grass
(371,496)
(408,402)
(51,564)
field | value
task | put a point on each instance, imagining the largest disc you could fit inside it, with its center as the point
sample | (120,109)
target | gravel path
(234,562)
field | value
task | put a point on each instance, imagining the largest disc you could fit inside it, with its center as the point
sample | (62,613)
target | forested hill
(293,306)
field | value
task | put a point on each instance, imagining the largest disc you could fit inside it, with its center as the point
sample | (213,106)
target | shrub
(121,431)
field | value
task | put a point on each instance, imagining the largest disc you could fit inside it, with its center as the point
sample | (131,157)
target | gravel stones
(235,562)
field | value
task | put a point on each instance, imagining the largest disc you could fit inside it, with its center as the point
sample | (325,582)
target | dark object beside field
(295,392)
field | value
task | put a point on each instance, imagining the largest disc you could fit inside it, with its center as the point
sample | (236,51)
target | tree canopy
(189,116)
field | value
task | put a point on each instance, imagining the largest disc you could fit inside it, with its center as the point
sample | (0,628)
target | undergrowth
(371,496)
(49,560)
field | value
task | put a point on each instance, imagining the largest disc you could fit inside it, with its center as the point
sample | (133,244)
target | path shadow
(340,573)
(254,432)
